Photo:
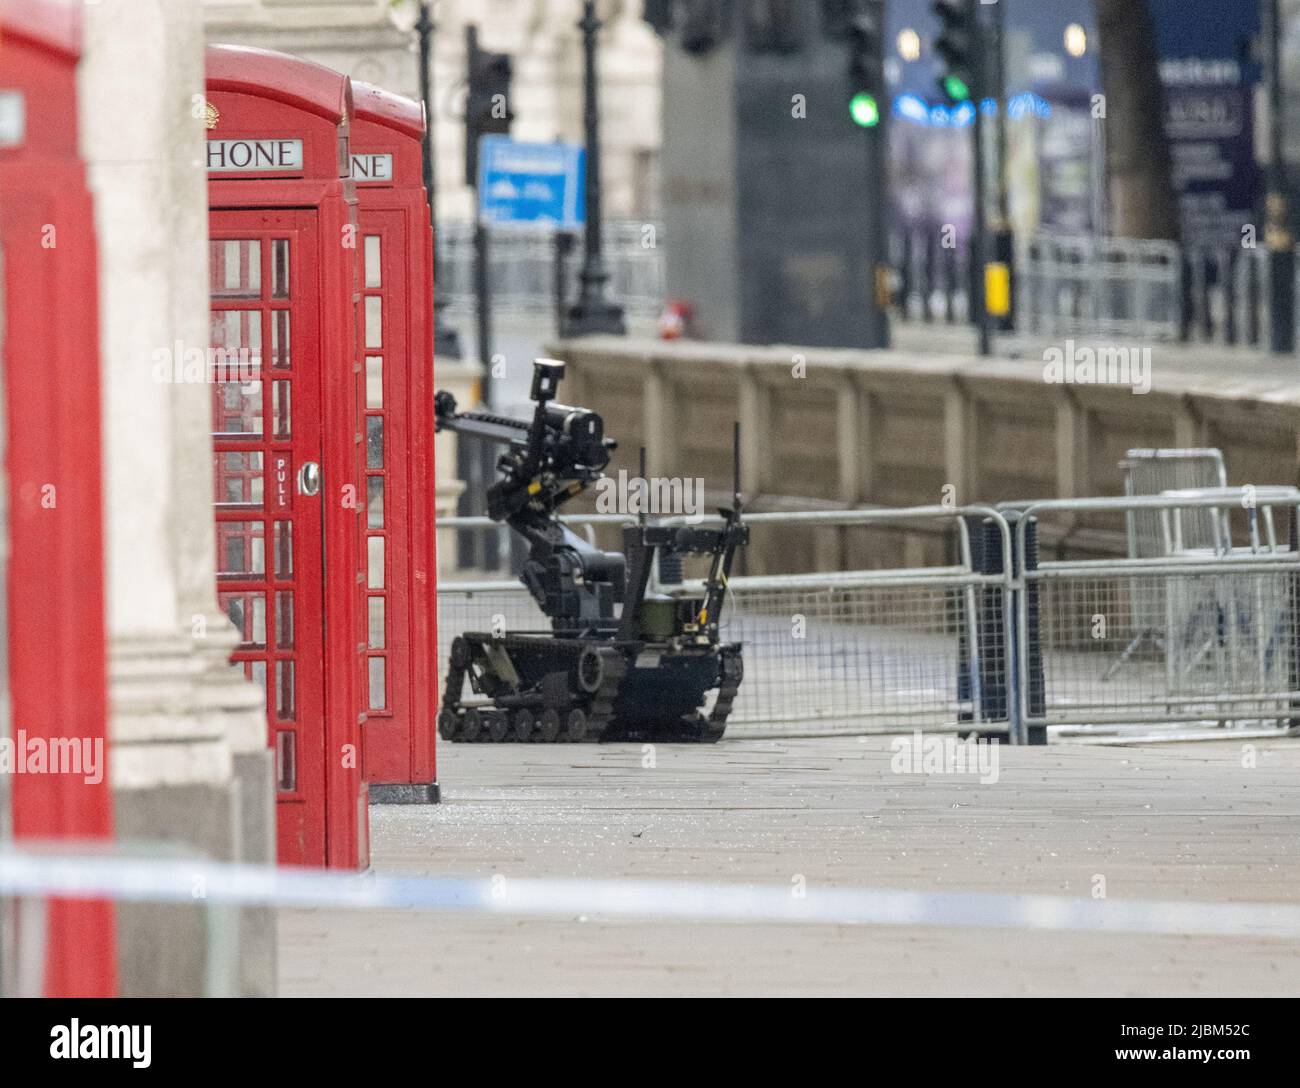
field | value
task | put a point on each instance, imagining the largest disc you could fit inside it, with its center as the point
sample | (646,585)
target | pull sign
(13,118)
(282,480)
(253,156)
(372,167)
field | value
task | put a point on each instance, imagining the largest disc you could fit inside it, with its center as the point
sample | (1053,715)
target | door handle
(309,478)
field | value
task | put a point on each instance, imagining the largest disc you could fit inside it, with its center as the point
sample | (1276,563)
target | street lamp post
(593,313)
(446,341)
(1004,247)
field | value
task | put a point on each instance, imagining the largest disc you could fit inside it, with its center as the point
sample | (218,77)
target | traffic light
(487,102)
(865,30)
(958,47)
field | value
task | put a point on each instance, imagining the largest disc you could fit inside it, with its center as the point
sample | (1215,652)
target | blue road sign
(522,184)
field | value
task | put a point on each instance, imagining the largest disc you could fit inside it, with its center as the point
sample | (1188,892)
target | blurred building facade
(360,38)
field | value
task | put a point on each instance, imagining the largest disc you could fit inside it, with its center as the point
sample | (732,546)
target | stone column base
(175,704)
(405,793)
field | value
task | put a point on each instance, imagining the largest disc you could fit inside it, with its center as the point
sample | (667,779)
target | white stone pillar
(188,734)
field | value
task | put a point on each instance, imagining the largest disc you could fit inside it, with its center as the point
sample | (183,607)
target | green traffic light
(956,88)
(864,110)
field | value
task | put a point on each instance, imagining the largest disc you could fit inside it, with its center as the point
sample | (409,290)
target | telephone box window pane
(374,381)
(237,408)
(374,321)
(374,273)
(284,549)
(236,342)
(375,562)
(284,620)
(240,549)
(280,409)
(281,357)
(286,764)
(257,674)
(280,268)
(284,709)
(376,623)
(375,502)
(238,478)
(235,268)
(378,692)
(247,611)
(374,441)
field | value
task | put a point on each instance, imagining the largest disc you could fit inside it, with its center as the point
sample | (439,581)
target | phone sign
(372,167)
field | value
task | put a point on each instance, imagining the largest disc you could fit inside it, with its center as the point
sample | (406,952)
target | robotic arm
(551,459)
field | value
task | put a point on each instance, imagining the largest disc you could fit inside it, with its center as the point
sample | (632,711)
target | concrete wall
(899,429)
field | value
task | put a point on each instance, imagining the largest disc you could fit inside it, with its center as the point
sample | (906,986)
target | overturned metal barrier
(1201,638)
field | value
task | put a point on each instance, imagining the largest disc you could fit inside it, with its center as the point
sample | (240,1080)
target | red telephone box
(287,432)
(55,578)
(397,349)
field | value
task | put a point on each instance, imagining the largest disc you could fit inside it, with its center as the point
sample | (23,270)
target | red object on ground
(675,321)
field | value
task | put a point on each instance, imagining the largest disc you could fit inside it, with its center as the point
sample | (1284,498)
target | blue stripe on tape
(169,880)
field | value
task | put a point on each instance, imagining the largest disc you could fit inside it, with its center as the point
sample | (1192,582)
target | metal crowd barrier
(1086,286)
(1153,472)
(1208,637)
(523,265)
(860,651)
(1214,293)
(1000,642)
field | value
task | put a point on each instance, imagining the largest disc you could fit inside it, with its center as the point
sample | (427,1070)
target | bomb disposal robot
(641,675)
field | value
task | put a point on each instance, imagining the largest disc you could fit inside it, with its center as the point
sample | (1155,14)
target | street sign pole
(446,341)
(979,230)
(1004,250)
(979,238)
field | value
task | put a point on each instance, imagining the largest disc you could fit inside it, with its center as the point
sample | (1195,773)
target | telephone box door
(266,398)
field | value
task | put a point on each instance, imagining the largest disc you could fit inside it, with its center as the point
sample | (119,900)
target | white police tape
(204,882)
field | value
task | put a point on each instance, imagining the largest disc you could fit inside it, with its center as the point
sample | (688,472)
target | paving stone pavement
(1171,822)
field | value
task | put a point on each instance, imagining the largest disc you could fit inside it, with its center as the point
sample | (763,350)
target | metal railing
(931,280)
(841,652)
(1083,285)
(999,642)
(1224,644)
(523,265)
